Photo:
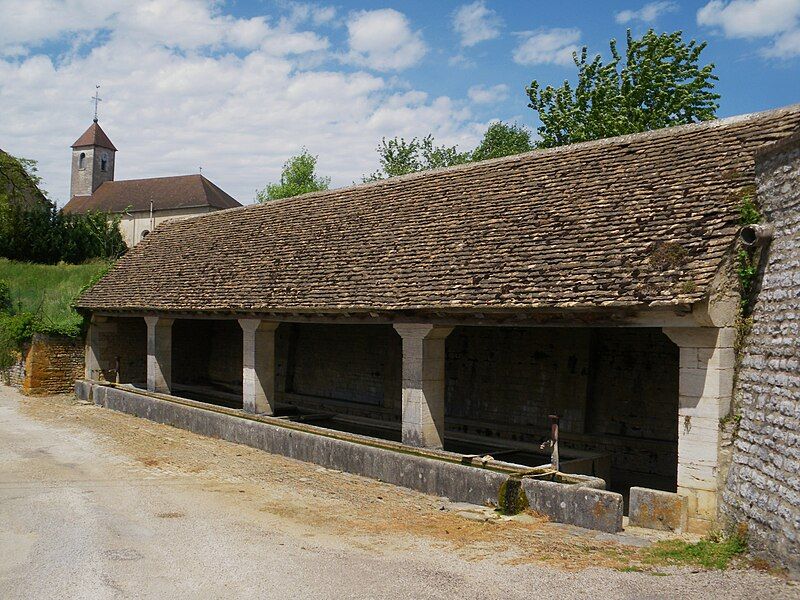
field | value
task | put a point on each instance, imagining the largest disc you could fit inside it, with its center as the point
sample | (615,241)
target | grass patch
(715,552)
(48,291)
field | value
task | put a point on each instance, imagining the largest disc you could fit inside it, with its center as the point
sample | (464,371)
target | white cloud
(314,13)
(547,46)
(172,103)
(38,20)
(460,61)
(647,14)
(786,45)
(476,23)
(383,40)
(481,94)
(778,20)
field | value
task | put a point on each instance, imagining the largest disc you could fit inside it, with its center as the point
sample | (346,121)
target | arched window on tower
(103,162)
(82,160)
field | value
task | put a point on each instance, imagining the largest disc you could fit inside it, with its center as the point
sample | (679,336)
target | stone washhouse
(459,308)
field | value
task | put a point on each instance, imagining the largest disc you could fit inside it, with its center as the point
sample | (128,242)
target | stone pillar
(93,370)
(159,354)
(258,372)
(99,361)
(707,362)
(423,383)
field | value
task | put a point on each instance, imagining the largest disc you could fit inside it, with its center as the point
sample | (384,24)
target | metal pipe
(756,235)
(554,461)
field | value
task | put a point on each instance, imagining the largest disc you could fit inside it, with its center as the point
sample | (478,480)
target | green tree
(503,139)
(32,229)
(298,177)
(660,83)
(399,157)
(19,181)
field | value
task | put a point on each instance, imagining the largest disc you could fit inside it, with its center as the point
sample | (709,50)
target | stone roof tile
(638,220)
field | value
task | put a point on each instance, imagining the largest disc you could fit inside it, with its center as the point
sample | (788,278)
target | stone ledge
(656,509)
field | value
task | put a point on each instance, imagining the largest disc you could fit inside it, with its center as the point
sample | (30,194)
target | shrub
(15,330)
(42,234)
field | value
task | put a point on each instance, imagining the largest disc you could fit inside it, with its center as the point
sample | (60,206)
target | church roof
(94,136)
(135,195)
(632,221)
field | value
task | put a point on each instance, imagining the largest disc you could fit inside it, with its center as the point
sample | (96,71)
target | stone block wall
(52,365)
(196,341)
(518,375)
(763,485)
(354,363)
(120,344)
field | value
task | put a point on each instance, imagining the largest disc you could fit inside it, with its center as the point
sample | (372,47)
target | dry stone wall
(763,485)
(48,365)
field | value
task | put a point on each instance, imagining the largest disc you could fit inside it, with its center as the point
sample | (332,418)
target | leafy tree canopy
(32,229)
(503,139)
(659,83)
(298,177)
(399,157)
(19,180)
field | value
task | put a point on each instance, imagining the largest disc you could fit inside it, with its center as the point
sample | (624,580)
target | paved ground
(95,504)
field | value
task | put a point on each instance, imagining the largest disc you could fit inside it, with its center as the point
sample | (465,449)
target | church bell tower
(92,161)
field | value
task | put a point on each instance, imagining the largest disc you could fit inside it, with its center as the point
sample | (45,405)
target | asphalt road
(78,520)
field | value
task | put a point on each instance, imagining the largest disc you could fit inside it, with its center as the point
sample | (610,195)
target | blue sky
(237,87)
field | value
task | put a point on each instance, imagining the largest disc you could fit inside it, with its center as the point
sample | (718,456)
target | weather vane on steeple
(96,99)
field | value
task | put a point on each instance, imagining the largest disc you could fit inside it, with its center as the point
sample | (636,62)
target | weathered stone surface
(159,354)
(423,384)
(656,509)
(575,504)
(763,484)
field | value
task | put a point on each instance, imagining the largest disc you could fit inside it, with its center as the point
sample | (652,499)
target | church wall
(134,224)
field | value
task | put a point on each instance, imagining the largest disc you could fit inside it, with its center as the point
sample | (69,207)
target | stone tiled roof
(637,220)
(166,193)
(94,136)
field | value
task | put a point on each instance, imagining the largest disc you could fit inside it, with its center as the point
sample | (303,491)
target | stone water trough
(565,498)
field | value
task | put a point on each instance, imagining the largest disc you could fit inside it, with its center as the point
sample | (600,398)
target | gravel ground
(96,504)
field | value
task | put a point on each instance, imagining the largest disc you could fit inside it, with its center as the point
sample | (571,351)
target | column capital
(701,337)
(156,321)
(422,330)
(252,325)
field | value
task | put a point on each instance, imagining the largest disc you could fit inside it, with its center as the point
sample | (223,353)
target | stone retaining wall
(48,365)
(763,485)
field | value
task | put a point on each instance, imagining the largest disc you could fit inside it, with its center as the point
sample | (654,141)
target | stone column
(93,370)
(423,383)
(159,354)
(258,372)
(707,362)
(99,342)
